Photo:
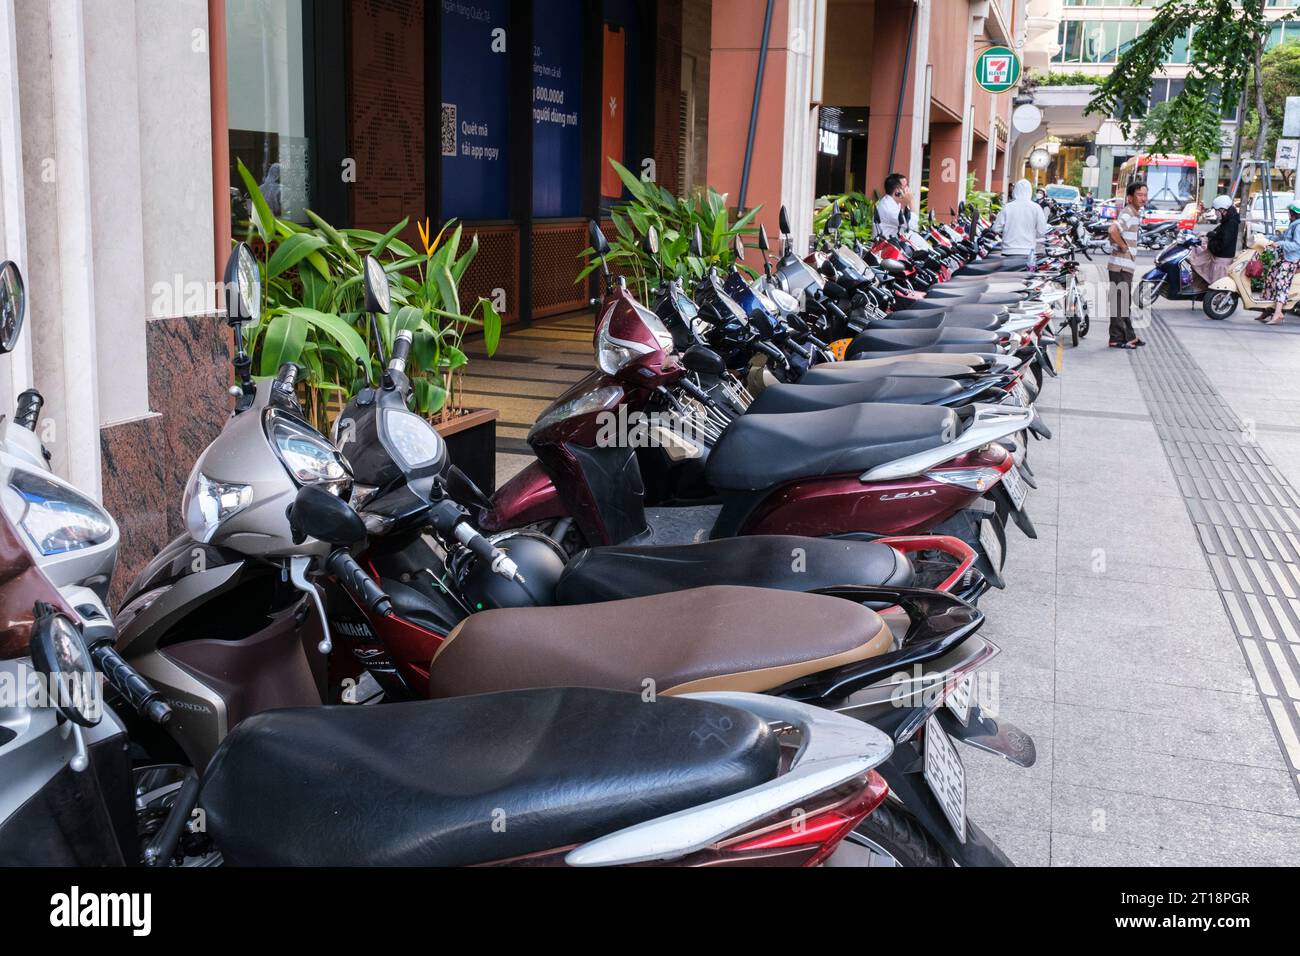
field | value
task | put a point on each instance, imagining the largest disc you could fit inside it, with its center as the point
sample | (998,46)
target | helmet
(1295,208)
(1222,202)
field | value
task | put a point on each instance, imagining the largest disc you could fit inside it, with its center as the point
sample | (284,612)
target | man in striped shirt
(1123,244)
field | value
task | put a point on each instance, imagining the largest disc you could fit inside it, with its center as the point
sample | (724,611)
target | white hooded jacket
(1022,222)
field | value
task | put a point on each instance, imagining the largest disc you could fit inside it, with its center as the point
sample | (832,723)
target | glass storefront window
(268,61)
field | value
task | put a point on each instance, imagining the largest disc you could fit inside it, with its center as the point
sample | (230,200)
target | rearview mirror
(13,306)
(738,247)
(316,513)
(650,244)
(378,295)
(697,242)
(783,222)
(762,239)
(243,286)
(597,238)
(59,652)
(702,360)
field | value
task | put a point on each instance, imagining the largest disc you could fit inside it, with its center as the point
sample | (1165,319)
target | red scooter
(863,471)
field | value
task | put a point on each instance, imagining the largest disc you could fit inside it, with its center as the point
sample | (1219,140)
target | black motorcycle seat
(885,340)
(424,783)
(939,319)
(761,451)
(843,373)
(759,560)
(896,390)
(993,264)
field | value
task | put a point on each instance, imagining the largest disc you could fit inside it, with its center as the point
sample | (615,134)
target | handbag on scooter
(1255,268)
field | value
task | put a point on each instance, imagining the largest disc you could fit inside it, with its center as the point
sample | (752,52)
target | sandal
(1277,321)
(1120,345)
(1136,343)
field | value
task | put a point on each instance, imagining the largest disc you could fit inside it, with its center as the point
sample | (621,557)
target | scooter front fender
(1155,275)
(528,497)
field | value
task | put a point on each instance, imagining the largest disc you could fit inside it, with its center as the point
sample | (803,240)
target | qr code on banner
(449,129)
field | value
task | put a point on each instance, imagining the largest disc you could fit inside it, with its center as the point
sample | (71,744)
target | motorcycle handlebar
(354,579)
(401,349)
(141,695)
(30,404)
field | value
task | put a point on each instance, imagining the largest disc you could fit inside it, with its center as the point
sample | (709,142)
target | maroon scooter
(861,471)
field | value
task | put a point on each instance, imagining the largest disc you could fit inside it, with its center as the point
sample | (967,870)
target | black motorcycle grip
(30,404)
(358,583)
(839,313)
(141,695)
(401,349)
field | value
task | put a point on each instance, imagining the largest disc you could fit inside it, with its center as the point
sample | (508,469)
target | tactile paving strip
(1247,517)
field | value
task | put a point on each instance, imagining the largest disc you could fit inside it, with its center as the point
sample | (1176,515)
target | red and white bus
(1173,186)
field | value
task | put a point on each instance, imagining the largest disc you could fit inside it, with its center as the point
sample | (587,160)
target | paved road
(1158,681)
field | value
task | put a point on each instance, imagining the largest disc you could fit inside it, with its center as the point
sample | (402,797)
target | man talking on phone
(894,210)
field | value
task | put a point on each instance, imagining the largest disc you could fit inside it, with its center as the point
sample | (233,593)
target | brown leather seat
(716,638)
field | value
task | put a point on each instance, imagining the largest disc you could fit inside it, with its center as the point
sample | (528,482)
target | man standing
(894,211)
(1123,241)
(1022,224)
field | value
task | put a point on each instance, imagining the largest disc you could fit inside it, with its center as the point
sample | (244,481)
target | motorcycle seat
(898,390)
(844,373)
(993,264)
(762,451)
(982,319)
(760,560)
(704,639)
(420,784)
(885,340)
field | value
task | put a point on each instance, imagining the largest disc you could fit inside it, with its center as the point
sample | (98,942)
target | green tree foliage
(1281,78)
(1226,49)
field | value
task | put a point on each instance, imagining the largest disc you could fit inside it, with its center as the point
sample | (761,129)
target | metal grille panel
(555,267)
(495,267)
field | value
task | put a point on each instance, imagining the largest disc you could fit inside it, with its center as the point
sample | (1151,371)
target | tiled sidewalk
(1155,746)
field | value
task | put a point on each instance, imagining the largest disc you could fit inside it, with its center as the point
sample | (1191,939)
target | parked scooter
(1237,288)
(1173,276)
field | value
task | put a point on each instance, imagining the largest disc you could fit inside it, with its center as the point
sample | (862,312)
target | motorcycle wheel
(889,836)
(1219,304)
(1148,293)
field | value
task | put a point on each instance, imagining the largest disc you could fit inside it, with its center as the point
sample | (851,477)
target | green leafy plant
(858,214)
(985,202)
(674,219)
(313,308)
(1061,78)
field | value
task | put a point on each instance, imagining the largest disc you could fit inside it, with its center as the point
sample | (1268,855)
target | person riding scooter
(1212,260)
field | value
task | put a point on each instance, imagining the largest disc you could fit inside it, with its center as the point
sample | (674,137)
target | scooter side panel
(842,504)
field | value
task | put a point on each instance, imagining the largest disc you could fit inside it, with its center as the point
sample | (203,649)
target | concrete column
(15,368)
(891,68)
(783,166)
(77,442)
(947,167)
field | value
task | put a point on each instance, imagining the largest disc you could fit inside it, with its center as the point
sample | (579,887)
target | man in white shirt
(1021,222)
(894,210)
(1123,241)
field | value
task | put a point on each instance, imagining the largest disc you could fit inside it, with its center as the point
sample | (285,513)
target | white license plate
(1021,393)
(992,545)
(958,701)
(1015,486)
(946,776)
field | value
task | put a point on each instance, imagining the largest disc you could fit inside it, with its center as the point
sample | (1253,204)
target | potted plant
(313,316)
(674,219)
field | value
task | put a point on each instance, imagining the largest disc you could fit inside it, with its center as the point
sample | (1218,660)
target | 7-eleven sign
(997,69)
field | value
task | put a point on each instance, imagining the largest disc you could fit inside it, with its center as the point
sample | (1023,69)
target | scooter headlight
(306,453)
(56,518)
(207,503)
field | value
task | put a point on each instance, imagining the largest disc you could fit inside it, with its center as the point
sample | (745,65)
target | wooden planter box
(472,443)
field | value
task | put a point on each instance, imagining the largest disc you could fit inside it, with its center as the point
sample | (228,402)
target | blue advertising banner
(475,127)
(557,96)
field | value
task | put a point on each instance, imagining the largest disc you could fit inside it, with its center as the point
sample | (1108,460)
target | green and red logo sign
(997,69)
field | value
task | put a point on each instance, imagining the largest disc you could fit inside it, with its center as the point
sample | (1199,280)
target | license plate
(946,776)
(1021,393)
(1015,486)
(991,543)
(958,701)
